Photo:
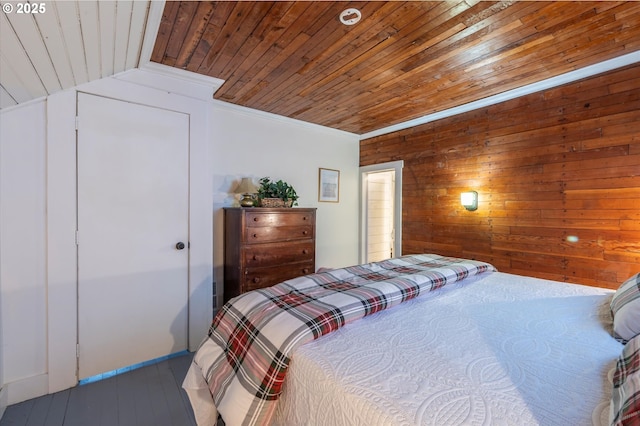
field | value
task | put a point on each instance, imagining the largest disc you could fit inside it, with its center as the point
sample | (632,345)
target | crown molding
(173,80)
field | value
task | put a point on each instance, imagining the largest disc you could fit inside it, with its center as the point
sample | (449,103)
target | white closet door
(133,189)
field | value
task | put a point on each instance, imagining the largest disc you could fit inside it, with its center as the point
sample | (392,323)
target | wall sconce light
(247,189)
(469,200)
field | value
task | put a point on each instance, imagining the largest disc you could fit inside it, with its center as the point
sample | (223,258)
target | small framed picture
(329,185)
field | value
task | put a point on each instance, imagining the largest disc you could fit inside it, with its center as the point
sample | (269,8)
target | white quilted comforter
(502,350)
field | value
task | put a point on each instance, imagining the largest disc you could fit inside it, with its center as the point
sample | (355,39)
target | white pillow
(625,308)
(625,397)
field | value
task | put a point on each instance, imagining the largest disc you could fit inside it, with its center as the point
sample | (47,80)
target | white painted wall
(3,392)
(248,143)
(37,212)
(22,244)
(37,186)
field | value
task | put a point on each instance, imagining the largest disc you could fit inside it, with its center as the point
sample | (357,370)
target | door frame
(61,219)
(395,166)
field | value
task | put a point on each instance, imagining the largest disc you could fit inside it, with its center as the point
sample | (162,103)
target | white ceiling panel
(15,88)
(139,18)
(90,28)
(123,23)
(22,81)
(28,32)
(69,43)
(107,11)
(5,98)
(51,32)
(72,36)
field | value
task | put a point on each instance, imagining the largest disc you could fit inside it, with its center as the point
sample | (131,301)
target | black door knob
(180,245)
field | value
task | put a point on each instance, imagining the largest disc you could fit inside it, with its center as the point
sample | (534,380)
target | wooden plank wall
(558,177)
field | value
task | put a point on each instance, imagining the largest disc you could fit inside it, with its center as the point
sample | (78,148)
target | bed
(462,344)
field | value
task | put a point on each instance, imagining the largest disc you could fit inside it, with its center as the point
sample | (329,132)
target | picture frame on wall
(329,185)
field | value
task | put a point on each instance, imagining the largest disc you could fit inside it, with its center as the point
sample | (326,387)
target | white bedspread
(502,350)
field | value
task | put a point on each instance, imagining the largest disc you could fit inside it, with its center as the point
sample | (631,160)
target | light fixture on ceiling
(469,200)
(350,16)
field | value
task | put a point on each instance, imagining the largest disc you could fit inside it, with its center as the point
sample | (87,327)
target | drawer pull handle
(255,257)
(255,235)
(256,280)
(305,251)
(305,271)
(255,219)
(304,218)
(304,232)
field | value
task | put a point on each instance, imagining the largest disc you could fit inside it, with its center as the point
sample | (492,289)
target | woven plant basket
(275,202)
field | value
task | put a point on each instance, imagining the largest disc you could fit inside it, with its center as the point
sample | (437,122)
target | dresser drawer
(256,256)
(264,234)
(290,217)
(266,246)
(255,278)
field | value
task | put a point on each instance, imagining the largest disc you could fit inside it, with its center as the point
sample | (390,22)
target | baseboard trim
(3,400)
(22,390)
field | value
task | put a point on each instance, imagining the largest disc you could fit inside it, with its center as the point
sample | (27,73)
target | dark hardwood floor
(148,396)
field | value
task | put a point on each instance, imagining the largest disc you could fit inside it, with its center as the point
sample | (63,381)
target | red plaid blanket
(245,357)
(625,397)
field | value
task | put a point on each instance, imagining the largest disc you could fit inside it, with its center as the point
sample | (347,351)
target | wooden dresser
(265,246)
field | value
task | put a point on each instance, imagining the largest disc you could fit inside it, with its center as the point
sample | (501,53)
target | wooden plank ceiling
(403,60)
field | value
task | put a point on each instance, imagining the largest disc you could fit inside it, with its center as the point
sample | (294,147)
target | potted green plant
(276,194)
